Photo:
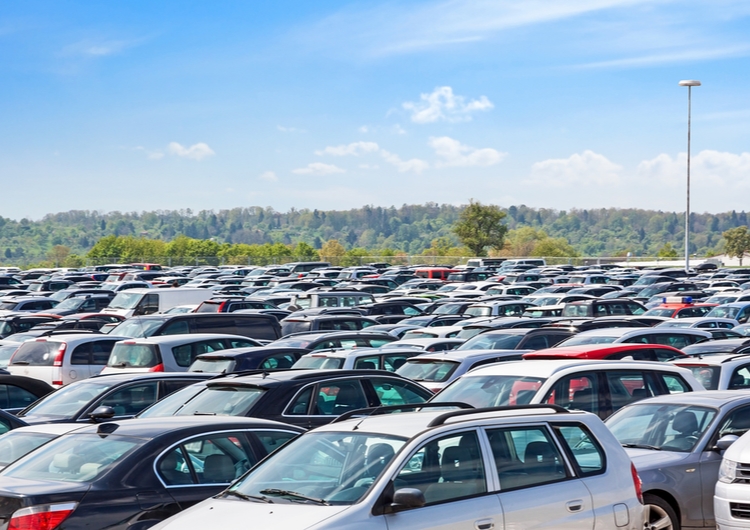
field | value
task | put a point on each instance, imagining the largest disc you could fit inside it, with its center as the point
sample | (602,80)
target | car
(60,359)
(169,353)
(503,308)
(600,308)
(302,324)
(255,326)
(132,473)
(26,304)
(719,346)
(731,497)
(601,387)
(88,303)
(228,305)
(699,322)
(457,469)
(18,392)
(22,440)
(720,371)
(308,398)
(739,311)
(426,344)
(515,339)
(389,359)
(637,352)
(676,443)
(243,359)
(437,370)
(18,323)
(322,340)
(124,394)
(676,337)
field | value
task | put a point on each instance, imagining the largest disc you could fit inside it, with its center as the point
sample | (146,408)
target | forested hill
(410,228)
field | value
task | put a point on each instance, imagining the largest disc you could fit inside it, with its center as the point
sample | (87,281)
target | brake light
(158,368)
(221,307)
(42,517)
(60,354)
(637,483)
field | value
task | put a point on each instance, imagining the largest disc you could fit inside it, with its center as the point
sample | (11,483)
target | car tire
(661,515)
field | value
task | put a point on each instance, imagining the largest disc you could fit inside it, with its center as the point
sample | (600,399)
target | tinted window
(628,387)
(338,397)
(14,397)
(586,451)
(81,354)
(130,400)
(579,391)
(36,353)
(740,378)
(301,405)
(177,327)
(395,392)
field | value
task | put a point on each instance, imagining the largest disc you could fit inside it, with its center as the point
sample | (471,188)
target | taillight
(221,307)
(158,368)
(42,517)
(637,483)
(60,354)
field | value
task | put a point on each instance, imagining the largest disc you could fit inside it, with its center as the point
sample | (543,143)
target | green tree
(305,252)
(332,251)
(480,226)
(667,251)
(738,242)
(57,254)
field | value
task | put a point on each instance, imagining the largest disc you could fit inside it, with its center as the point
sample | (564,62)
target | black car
(243,359)
(30,304)
(308,398)
(85,303)
(125,394)
(18,392)
(17,323)
(132,474)
(254,326)
(229,305)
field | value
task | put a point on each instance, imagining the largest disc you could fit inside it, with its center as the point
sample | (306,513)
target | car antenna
(356,427)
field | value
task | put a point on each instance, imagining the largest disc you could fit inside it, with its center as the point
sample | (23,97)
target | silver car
(676,443)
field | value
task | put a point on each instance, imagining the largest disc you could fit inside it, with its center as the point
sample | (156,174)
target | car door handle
(484,524)
(574,506)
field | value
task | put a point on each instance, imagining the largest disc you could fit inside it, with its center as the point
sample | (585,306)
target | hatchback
(134,473)
(243,359)
(460,469)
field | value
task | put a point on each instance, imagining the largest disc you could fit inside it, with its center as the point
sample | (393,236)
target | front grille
(740,510)
(742,474)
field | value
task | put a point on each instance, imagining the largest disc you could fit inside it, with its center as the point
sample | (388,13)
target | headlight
(727,471)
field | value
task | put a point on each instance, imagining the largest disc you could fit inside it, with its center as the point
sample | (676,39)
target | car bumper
(725,495)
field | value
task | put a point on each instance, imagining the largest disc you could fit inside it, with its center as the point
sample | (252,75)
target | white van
(136,302)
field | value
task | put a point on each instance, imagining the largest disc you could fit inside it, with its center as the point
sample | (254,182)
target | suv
(602,308)
(456,469)
(307,398)
(255,325)
(601,387)
(60,359)
(324,322)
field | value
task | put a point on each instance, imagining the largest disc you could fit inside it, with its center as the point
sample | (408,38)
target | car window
(278,362)
(534,343)
(81,354)
(301,404)
(448,468)
(737,422)
(272,440)
(577,391)
(394,362)
(130,400)
(392,392)
(627,387)
(674,383)
(740,378)
(176,328)
(525,456)
(336,398)
(588,455)
(100,351)
(15,397)
(367,363)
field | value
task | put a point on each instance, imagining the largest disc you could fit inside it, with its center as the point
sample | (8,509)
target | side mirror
(102,413)
(725,441)
(406,499)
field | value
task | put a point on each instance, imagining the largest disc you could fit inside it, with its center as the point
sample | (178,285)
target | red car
(637,352)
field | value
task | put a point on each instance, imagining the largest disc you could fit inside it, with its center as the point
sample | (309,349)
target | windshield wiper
(247,497)
(642,446)
(21,363)
(274,491)
(199,413)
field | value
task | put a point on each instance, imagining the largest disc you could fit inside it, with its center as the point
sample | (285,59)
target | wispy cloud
(268,176)
(318,168)
(586,168)
(290,129)
(671,57)
(352,149)
(443,105)
(451,152)
(197,151)
(362,148)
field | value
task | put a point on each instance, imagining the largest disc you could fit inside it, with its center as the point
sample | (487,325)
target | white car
(732,494)
(719,372)
(542,468)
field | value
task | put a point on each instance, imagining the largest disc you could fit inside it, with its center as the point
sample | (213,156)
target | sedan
(134,473)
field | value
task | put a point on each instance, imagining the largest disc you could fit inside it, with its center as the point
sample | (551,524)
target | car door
(451,472)
(538,487)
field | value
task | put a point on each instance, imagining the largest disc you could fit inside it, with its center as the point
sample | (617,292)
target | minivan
(254,325)
(309,300)
(135,302)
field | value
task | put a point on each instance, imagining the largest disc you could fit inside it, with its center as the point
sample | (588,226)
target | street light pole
(690,83)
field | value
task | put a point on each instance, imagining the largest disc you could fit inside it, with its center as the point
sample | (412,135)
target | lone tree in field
(738,242)
(480,226)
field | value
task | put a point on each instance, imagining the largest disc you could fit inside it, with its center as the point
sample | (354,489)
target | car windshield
(214,366)
(659,312)
(67,401)
(125,300)
(428,370)
(318,362)
(547,300)
(478,311)
(6,352)
(137,327)
(70,303)
(575,340)
(132,355)
(488,341)
(10,305)
(724,312)
(491,390)
(293,342)
(322,468)
(74,458)
(222,400)
(15,444)
(172,403)
(658,426)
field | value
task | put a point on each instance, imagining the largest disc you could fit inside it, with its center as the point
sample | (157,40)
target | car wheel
(660,515)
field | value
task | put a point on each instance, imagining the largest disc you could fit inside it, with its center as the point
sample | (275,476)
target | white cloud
(197,151)
(584,168)
(443,104)
(364,129)
(318,168)
(415,164)
(290,129)
(352,149)
(672,57)
(711,168)
(453,153)
(269,176)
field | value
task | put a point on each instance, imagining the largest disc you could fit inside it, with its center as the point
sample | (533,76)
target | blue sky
(558,104)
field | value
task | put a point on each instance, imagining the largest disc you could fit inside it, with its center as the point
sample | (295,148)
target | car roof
(463,355)
(278,377)
(710,398)
(50,428)
(711,359)
(599,348)
(251,351)
(142,376)
(182,337)
(547,368)
(621,332)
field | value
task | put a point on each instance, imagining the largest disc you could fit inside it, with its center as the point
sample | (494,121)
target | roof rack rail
(440,420)
(375,411)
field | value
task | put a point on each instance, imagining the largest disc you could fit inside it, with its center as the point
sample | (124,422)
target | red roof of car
(595,351)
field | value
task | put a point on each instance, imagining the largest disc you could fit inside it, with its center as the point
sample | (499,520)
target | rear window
(208,307)
(222,400)
(428,371)
(708,376)
(133,355)
(35,353)
(318,362)
(213,366)
(295,326)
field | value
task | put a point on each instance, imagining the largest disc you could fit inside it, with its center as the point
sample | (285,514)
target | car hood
(215,513)
(646,459)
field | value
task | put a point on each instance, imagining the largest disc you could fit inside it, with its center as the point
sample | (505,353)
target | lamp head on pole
(689,82)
